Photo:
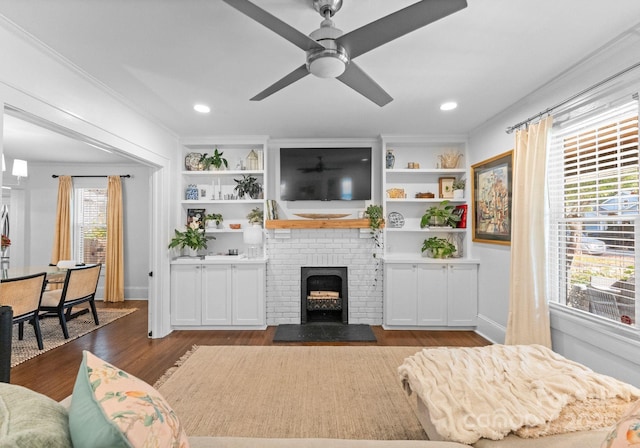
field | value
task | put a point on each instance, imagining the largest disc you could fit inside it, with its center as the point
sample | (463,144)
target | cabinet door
(216,294)
(248,294)
(463,295)
(432,296)
(185,294)
(400,294)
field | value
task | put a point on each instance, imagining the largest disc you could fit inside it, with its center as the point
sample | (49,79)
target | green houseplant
(376,220)
(255,216)
(248,185)
(440,215)
(192,238)
(217,217)
(437,247)
(458,184)
(215,160)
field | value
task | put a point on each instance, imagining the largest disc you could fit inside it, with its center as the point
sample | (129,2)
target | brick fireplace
(289,250)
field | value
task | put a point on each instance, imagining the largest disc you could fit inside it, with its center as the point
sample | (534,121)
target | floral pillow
(627,431)
(110,408)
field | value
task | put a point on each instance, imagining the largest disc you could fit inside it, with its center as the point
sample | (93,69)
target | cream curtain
(62,236)
(114,273)
(528,321)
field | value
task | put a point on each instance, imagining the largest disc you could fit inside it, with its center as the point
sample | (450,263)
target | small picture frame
(197,215)
(445,187)
(205,192)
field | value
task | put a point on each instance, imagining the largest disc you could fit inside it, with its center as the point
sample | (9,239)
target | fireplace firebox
(324,294)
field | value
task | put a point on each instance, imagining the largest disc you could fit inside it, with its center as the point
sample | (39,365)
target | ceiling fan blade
(359,81)
(292,77)
(397,24)
(274,24)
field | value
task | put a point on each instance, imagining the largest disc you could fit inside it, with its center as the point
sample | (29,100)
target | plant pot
(458,194)
(437,221)
(192,252)
(435,253)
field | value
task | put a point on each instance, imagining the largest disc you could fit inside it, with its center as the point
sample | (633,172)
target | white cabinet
(217,294)
(430,294)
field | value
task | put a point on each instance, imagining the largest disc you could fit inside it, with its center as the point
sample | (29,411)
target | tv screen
(325,174)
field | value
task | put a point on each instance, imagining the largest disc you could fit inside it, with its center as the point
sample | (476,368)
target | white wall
(600,348)
(43,84)
(42,191)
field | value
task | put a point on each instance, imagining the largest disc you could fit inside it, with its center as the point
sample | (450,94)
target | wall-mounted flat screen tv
(325,174)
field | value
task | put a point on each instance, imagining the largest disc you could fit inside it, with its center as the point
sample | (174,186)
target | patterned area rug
(52,333)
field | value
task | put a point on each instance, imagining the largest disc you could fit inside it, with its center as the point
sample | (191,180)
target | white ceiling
(163,56)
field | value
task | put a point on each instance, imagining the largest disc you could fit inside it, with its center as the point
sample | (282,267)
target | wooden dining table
(54,273)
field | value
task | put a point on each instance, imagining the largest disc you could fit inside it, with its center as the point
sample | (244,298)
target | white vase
(458,194)
(192,252)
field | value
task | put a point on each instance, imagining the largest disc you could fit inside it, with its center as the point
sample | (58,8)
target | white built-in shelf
(427,170)
(438,200)
(221,172)
(426,229)
(222,201)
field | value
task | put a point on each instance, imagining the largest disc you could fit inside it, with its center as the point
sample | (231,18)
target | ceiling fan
(330,53)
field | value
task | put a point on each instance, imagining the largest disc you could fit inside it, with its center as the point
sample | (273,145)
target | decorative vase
(191,193)
(390,159)
(458,194)
(192,252)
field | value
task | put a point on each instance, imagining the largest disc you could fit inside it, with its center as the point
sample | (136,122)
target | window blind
(593,183)
(91,225)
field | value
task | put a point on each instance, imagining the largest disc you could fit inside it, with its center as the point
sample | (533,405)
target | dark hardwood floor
(125,344)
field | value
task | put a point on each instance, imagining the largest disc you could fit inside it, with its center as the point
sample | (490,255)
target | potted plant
(255,216)
(437,247)
(193,238)
(248,186)
(376,220)
(215,160)
(440,215)
(214,217)
(458,188)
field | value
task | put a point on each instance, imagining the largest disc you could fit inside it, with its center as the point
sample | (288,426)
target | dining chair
(24,295)
(603,303)
(80,285)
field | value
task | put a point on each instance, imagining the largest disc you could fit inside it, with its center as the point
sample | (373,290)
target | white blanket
(487,392)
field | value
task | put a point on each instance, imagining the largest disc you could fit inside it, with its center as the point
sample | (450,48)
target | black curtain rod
(55,176)
(510,129)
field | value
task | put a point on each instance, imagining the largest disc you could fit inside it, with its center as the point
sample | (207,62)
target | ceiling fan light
(327,67)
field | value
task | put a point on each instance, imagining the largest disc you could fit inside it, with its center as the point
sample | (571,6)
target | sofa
(109,408)
(30,419)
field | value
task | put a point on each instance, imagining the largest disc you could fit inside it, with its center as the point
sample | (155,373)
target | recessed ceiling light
(202,108)
(450,105)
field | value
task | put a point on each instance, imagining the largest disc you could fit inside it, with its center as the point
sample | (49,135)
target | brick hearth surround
(290,249)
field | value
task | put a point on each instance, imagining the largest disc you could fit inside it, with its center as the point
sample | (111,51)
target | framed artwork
(491,192)
(197,215)
(445,187)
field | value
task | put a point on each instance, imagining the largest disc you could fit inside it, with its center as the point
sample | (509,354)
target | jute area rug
(294,391)
(52,333)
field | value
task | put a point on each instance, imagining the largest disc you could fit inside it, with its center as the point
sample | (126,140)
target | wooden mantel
(317,224)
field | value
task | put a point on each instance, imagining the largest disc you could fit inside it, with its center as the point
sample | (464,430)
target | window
(90,229)
(593,198)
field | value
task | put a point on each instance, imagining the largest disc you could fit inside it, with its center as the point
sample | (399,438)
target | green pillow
(112,409)
(31,420)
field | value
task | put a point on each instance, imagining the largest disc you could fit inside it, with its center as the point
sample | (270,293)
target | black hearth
(324,295)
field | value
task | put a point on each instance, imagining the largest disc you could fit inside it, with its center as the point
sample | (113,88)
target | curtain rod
(55,176)
(510,129)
